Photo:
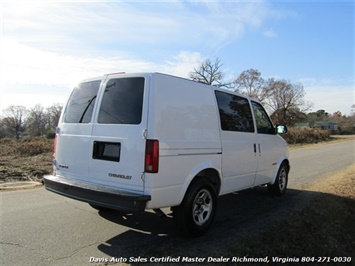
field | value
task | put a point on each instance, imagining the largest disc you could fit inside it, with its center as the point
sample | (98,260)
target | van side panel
(270,156)
(168,187)
(183,117)
(183,114)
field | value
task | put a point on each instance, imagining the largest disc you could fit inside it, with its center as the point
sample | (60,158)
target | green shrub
(50,135)
(303,135)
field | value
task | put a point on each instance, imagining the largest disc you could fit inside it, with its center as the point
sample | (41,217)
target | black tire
(280,185)
(194,216)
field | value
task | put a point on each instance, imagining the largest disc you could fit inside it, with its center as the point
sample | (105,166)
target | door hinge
(145,133)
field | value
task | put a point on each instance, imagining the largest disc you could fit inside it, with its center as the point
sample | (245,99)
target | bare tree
(209,73)
(286,101)
(3,130)
(14,118)
(352,110)
(320,115)
(41,121)
(53,114)
(346,124)
(252,84)
(35,123)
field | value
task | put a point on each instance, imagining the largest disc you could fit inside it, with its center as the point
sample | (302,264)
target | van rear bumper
(97,195)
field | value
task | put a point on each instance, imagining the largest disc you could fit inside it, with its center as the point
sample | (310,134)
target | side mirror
(281,129)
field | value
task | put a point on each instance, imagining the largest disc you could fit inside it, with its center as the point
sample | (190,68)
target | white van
(132,142)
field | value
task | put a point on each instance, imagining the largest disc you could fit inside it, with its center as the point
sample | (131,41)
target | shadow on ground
(238,216)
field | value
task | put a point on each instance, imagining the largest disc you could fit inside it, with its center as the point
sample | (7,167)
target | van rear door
(118,144)
(74,131)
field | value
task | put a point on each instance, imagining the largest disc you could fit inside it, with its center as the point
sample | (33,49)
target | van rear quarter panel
(183,116)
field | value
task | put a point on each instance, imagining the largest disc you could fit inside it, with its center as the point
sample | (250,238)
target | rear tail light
(152,156)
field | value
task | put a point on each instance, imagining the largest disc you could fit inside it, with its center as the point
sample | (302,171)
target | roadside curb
(19,185)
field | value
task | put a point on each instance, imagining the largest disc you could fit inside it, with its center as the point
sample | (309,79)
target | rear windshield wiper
(86,109)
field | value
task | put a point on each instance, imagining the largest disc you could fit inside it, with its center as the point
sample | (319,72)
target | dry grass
(25,147)
(25,160)
(322,227)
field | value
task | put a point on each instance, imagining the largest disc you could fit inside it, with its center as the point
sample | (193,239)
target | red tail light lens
(152,156)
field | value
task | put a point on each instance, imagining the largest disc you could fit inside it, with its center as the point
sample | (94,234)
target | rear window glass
(122,102)
(81,102)
(234,112)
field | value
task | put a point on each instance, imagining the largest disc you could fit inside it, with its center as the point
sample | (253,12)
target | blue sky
(48,46)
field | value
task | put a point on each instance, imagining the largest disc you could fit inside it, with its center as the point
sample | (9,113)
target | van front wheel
(196,213)
(280,185)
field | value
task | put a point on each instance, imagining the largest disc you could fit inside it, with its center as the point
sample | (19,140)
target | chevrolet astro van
(132,142)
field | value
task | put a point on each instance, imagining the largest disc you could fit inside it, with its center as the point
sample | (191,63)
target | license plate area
(108,151)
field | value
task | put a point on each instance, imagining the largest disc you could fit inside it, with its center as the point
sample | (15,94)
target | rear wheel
(196,213)
(280,185)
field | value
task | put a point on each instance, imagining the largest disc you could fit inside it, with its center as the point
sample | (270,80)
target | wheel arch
(287,162)
(281,162)
(208,172)
(213,176)
(196,212)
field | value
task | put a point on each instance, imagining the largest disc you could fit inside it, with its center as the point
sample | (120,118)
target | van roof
(159,73)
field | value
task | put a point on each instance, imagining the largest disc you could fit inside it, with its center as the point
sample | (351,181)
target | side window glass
(234,112)
(263,123)
(81,102)
(122,102)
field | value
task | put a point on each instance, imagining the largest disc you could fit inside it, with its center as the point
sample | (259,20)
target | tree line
(284,100)
(19,121)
